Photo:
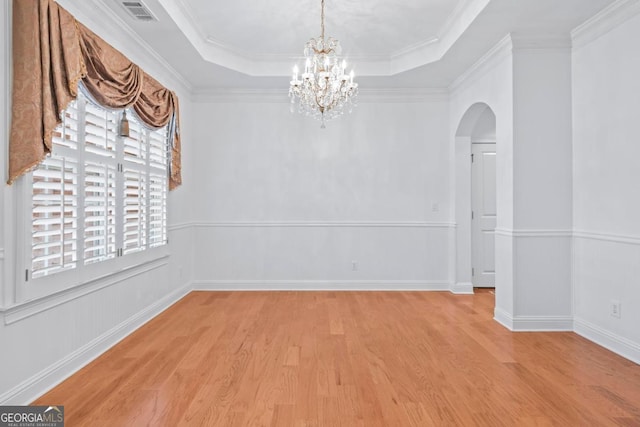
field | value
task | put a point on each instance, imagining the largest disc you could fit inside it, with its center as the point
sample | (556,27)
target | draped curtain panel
(52,52)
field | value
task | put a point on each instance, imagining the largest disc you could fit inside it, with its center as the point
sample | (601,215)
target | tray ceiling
(408,43)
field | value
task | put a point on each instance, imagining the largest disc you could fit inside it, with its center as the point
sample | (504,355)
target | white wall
(606,215)
(289,205)
(542,168)
(45,340)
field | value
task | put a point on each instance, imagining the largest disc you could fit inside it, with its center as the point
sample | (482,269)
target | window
(98,196)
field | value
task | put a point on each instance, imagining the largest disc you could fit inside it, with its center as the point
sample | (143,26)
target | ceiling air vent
(139,10)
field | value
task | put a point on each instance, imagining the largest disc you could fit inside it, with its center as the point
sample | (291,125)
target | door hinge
(472,215)
(473,271)
(26,275)
(472,158)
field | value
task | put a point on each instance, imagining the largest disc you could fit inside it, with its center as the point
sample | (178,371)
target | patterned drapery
(52,52)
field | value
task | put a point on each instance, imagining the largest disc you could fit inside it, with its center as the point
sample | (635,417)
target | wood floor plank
(311,359)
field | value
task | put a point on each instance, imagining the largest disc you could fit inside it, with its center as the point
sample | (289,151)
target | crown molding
(224,95)
(116,31)
(609,18)
(543,42)
(431,50)
(458,14)
(406,95)
(280,95)
(275,65)
(487,62)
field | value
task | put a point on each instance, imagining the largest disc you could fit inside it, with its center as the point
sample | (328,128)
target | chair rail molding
(302,224)
(607,237)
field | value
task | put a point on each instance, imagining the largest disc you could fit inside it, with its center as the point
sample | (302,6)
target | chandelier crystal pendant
(323,90)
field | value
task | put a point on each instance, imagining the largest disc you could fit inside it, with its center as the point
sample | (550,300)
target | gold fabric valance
(52,52)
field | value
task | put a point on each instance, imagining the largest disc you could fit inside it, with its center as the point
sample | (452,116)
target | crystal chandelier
(323,90)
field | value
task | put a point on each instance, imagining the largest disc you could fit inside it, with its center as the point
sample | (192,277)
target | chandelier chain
(322,20)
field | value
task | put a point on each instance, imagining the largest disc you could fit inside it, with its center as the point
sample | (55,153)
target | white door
(483,218)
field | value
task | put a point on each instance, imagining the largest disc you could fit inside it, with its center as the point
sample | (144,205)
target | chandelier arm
(319,95)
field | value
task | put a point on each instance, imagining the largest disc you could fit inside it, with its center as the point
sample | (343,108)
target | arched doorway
(475,198)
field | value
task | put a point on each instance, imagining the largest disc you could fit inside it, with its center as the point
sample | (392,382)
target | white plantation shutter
(100,175)
(135,188)
(158,187)
(98,196)
(54,217)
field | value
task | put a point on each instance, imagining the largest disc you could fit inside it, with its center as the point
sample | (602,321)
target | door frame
(461,188)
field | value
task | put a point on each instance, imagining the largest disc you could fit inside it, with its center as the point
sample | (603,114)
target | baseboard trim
(462,288)
(543,324)
(30,389)
(503,318)
(617,344)
(320,285)
(533,323)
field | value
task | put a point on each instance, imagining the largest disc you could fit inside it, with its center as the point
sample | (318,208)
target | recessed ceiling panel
(365,28)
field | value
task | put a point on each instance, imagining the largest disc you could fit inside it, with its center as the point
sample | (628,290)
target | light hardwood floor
(347,359)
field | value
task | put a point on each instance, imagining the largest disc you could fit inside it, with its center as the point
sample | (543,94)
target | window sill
(33,306)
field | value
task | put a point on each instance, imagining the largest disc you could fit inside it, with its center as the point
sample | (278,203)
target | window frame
(29,288)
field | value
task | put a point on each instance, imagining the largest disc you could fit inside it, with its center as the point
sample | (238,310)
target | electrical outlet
(435,207)
(615,309)
(354,265)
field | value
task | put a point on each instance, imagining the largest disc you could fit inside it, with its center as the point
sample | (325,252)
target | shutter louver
(135,145)
(99,212)
(100,131)
(134,211)
(157,210)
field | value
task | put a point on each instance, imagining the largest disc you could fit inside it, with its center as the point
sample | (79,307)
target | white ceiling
(407,43)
